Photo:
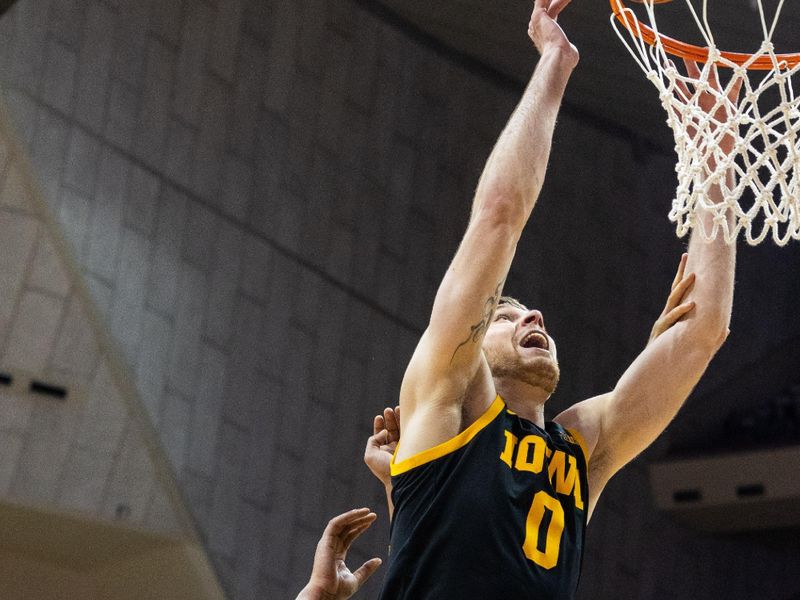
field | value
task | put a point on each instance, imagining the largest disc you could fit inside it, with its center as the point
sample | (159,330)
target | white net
(760,191)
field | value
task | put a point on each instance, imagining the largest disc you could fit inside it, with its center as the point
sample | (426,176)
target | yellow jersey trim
(451,445)
(581,442)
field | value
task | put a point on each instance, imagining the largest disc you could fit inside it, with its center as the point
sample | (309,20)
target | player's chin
(542,360)
(542,372)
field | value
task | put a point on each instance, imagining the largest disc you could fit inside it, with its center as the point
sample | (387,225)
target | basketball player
(490,501)
(386,426)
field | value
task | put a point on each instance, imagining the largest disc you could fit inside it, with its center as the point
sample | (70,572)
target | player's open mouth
(535,339)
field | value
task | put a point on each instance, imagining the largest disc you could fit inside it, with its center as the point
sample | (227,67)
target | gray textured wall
(263,195)
(88,452)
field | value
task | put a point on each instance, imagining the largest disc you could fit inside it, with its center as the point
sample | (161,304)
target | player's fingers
(713,77)
(366,570)
(681,85)
(685,94)
(540,5)
(691,68)
(378,424)
(556,6)
(736,89)
(397,417)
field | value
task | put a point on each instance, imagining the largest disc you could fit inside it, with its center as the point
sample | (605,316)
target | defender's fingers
(676,313)
(381,438)
(540,5)
(356,529)
(337,525)
(677,295)
(681,269)
(684,285)
(378,424)
(390,418)
(366,570)
(352,534)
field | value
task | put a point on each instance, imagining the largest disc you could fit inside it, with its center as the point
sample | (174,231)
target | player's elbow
(722,335)
(708,336)
(501,210)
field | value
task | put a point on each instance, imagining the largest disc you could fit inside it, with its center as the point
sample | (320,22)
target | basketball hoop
(763,194)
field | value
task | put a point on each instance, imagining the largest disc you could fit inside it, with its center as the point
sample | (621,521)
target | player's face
(518,346)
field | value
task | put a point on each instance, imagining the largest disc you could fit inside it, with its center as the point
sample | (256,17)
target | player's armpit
(646,398)
(584,417)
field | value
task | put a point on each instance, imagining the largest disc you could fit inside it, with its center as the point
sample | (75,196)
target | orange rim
(690,51)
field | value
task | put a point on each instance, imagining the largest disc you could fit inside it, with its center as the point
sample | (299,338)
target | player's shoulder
(582,420)
(558,432)
(571,438)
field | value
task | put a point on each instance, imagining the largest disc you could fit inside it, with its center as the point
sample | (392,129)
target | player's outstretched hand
(382,443)
(546,33)
(711,103)
(676,307)
(330,577)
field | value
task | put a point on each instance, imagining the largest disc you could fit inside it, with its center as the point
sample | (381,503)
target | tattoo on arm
(478,329)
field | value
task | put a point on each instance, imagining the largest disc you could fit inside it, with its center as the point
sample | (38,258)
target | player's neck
(522,398)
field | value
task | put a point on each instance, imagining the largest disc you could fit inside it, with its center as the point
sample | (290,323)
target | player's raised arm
(448,363)
(622,423)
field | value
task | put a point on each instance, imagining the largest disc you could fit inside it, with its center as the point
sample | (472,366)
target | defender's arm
(448,356)
(330,577)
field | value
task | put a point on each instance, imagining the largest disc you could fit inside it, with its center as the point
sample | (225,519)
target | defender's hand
(330,577)
(382,443)
(546,33)
(675,308)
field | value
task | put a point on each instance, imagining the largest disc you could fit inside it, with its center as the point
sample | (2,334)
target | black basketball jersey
(498,512)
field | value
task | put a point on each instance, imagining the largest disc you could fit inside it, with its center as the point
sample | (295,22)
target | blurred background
(222,224)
